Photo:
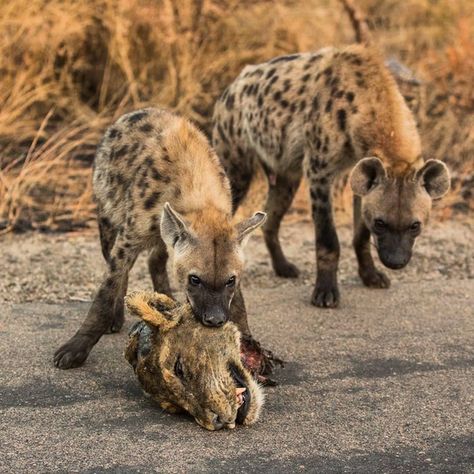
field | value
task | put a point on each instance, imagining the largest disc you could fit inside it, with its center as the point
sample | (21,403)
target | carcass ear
(155,309)
(172,227)
(434,176)
(367,173)
(247,226)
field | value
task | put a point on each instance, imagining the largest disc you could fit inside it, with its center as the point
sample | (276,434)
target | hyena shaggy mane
(321,114)
(159,186)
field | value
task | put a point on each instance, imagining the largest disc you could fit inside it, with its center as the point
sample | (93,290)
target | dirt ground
(68,267)
(382,384)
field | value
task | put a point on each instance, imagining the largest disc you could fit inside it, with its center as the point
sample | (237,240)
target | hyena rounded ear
(155,309)
(247,226)
(172,226)
(434,176)
(366,174)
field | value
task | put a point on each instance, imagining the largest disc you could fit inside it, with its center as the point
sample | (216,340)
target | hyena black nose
(213,319)
(395,263)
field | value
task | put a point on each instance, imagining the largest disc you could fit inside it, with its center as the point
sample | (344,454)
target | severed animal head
(396,208)
(207,256)
(186,366)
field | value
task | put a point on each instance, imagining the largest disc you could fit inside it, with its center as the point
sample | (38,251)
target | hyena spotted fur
(320,114)
(159,186)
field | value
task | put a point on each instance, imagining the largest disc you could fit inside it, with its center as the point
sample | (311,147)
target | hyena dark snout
(211,306)
(395,249)
(208,259)
(395,208)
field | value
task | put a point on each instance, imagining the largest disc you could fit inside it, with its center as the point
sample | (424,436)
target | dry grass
(68,68)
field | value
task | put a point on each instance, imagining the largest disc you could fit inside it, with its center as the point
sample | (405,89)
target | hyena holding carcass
(159,186)
(323,113)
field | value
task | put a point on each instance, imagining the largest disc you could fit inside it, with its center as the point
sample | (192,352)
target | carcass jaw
(243,394)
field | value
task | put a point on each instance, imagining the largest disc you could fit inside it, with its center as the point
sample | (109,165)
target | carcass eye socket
(194,280)
(178,369)
(230,282)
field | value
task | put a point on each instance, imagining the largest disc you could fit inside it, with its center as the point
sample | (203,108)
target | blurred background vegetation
(69,68)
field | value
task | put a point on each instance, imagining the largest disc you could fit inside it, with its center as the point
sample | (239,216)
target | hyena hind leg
(239,166)
(108,234)
(106,311)
(368,273)
(282,190)
(157,268)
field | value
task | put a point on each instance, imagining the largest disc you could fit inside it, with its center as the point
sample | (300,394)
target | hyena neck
(395,140)
(397,166)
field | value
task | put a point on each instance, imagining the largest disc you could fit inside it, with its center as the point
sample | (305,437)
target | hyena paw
(325,297)
(73,353)
(286,269)
(375,279)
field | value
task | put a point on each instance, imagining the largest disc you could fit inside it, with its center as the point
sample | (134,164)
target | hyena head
(207,256)
(396,208)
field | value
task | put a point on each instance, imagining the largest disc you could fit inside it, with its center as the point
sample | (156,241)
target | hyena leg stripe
(238,312)
(368,273)
(361,240)
(113,288)
(157,268)
(326,293)
(280,196)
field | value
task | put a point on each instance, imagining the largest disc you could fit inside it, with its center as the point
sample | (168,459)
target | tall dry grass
(68,68)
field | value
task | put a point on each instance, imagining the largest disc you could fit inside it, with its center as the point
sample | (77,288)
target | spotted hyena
(159,186)
(320,114)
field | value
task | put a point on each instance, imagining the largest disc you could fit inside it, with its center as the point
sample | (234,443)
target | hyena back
(159,186)
(321,114)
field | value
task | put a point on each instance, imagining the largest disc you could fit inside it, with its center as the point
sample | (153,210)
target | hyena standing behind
(160,186)
(322,113)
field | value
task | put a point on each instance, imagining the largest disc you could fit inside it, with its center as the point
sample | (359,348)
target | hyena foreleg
(157,267)
(107,311)
(326,292)
(257,359)
(369,275)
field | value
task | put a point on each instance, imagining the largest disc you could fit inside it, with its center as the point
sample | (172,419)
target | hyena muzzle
(159,186)
(321,114)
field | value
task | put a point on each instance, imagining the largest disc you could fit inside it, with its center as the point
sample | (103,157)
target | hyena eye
(415,227)
(230,282)
(178,369)
(194,280)
(379,226)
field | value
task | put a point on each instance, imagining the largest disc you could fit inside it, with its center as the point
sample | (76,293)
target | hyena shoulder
(153,156)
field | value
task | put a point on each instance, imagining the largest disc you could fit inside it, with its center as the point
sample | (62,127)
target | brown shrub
(68,68)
